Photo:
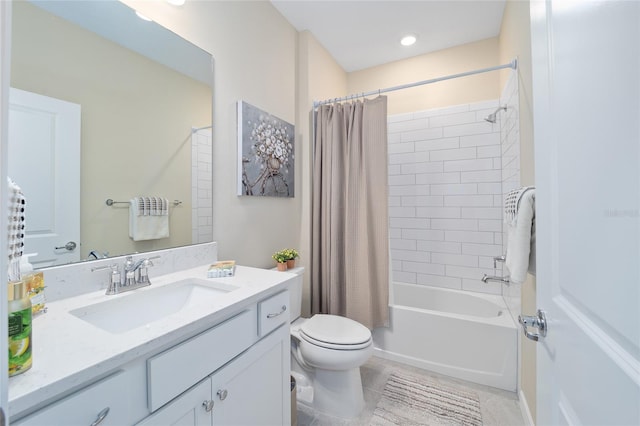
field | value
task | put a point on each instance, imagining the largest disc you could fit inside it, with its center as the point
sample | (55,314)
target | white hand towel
(145,220)
(521,237)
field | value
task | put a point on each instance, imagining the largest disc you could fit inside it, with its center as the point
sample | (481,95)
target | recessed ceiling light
(408,40)
(144,18)
(176,2)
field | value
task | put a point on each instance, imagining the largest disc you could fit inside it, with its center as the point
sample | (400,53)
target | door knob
(539,321)
(208,405)
(222,394)
(70,246)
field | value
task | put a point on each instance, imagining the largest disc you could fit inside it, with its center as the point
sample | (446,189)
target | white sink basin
(144,306)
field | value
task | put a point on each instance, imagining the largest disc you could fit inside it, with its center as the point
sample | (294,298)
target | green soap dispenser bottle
(19,328)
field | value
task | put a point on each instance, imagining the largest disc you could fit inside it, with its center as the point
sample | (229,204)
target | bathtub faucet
(486,278)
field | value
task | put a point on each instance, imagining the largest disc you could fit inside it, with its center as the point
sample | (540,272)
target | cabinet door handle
(283,309)
(208,405)
(101,416)
(222,394)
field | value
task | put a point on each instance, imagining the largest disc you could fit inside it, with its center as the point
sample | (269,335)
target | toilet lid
(335,331)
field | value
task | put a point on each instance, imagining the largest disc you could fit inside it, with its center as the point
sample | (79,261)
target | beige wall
(515,41)
(319,77)
(136,122)
(255,60)
(454,60)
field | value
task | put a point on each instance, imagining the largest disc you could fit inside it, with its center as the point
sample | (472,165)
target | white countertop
(68,351)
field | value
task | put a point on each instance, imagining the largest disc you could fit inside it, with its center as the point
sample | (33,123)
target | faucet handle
(148,261)
(128,263)
(130,268)
(496,259)
(143,277)
(114,280)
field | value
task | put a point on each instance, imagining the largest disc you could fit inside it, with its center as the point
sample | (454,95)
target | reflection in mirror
(135,121)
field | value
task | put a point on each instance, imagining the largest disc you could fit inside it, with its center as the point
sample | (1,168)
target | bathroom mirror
(142,92)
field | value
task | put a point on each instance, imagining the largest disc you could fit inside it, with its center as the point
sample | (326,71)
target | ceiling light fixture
(176,2)
(141,16)
(408,40)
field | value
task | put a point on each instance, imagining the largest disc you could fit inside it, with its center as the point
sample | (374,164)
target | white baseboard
(524,409)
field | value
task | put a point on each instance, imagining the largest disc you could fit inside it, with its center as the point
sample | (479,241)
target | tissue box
(225,268)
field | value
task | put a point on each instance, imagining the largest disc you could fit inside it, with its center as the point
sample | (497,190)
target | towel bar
(110,202)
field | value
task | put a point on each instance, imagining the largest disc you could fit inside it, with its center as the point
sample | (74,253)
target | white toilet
(326,354)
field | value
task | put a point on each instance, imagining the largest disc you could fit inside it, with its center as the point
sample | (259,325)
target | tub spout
(486,278)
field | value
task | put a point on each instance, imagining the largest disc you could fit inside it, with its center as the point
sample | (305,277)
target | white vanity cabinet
(246,391)
(252,389)
(106,402)
(235,372)
(191,408)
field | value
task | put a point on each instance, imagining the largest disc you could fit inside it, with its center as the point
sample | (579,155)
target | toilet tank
(295,293)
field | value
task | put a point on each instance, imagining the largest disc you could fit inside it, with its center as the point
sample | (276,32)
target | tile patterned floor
(498,407)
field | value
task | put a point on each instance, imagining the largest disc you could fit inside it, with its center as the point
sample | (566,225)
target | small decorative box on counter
(224,268)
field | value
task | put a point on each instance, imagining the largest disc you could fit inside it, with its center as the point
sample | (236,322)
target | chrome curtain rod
(513,65)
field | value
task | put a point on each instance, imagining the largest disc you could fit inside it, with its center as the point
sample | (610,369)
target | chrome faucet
(141,267)
(486,278)
(135,275)
(94,254)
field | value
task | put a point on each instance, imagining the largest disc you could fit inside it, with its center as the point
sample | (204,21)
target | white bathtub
(462,334)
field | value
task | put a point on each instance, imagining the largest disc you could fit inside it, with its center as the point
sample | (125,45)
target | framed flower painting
(265,152)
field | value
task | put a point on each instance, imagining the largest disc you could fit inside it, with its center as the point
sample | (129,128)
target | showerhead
(491,118)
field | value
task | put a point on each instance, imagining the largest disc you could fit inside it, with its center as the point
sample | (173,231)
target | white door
(44,160)
(586,93)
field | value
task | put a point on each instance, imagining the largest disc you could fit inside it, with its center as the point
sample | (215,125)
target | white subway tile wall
(201,187)
(510,146)
(444,180)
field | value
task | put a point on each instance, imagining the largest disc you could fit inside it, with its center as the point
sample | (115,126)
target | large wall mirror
(105,105)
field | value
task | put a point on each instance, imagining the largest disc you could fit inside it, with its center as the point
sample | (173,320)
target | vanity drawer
(85,406)
(273,312)
(177,369)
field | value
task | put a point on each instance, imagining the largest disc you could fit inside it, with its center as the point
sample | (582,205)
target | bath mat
(409,400)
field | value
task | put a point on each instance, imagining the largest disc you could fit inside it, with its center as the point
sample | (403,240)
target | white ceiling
(363,33)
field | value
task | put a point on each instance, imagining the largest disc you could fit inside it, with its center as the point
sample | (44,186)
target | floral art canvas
(266,153)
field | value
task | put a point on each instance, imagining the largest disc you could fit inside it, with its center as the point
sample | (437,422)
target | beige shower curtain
(350,255)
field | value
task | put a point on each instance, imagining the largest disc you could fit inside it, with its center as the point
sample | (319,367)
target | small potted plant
(281,260)
(291,255)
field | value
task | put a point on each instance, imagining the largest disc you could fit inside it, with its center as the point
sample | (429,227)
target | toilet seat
(335,332)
